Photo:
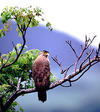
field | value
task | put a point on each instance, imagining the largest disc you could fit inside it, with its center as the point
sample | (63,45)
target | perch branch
(53,85)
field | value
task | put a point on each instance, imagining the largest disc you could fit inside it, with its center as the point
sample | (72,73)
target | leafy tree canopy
(18,63)
(24,17)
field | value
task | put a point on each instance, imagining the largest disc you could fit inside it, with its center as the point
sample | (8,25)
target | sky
(75,17)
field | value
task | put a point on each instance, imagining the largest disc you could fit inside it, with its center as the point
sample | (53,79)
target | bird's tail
(42,96)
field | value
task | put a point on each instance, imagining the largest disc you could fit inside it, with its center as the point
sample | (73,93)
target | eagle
(41,74)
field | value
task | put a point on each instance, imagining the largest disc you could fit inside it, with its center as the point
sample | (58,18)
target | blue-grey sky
(83,96)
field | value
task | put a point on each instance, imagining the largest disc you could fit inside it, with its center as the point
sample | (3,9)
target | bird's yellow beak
(46,53)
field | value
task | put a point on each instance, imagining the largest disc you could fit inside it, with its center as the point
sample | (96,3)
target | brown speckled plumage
(41,75)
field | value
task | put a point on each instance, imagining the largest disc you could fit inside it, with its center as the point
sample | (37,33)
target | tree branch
(53,85)
(19,82)
(28,23)
(69,43)
(58,63)
(23,30)
(24,42)
(86,58)
(15,47)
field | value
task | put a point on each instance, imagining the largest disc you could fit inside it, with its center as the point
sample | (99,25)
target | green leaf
(53,78)
(48,25)
(2,32)
(4,87)
(38,11)
(14,103)
(20,34)
(21,109)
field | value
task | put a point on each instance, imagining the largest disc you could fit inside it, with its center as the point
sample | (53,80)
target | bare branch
(81,74)
(86,59)
(59,64)
(87,44)
(91,41)
(69,43)
(69,77)
(66,70)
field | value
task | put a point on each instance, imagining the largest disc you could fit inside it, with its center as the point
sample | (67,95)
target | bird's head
(44,53)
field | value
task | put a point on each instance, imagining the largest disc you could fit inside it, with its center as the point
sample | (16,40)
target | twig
(69,43)
(15,47)
(59,64)
(91,41)
(80,75)
(87,44)
(66,70)
(86,59)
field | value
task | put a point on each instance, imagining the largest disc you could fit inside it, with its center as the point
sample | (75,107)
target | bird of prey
(41,74)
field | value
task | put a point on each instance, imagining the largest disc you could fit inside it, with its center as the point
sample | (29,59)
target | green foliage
(2,32)
(19,69)
(48,25)
(53,78)
(13,107)
(24,17)
(38,11)
(3,88)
